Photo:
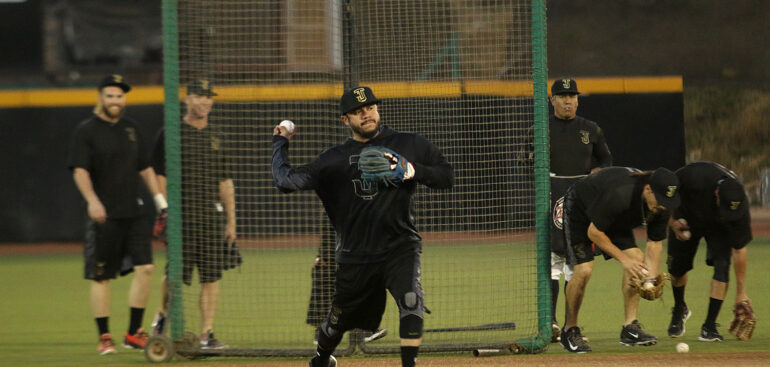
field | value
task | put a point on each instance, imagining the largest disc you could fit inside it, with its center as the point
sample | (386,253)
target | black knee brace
(330,335)
(410,327)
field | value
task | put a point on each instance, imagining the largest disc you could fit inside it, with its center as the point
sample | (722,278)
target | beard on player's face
(113,111)
(366,132)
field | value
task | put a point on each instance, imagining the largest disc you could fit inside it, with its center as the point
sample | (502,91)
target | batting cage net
(467,75)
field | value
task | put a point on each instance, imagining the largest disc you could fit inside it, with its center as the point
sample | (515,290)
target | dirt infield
(633,360)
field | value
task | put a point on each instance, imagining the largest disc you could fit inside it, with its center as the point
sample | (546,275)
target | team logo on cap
(565,83)
(585,137)
(671,191)
(360,94)
(117,78)
(734,205)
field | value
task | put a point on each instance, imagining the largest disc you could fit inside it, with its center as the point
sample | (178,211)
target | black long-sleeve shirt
(577,146)
(370,219)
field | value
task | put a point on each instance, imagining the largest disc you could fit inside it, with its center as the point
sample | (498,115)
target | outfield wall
(644,129)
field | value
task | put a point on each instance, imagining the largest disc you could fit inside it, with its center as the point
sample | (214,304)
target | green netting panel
(461,73)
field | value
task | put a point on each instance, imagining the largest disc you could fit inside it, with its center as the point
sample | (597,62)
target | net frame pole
(542,183)
(173,165)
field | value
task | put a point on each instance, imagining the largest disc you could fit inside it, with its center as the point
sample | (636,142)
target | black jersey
(577,146)
(158,159)
(370,219)
(204,166)
(698,183)
(612,200)
(113,154)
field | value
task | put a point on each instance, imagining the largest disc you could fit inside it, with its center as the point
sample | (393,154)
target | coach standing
(379,247)
(578,148)
(604,208)
(713,207)
(208,225)
(108,157)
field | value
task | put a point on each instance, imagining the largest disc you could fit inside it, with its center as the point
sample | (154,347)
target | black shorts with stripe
(117,245)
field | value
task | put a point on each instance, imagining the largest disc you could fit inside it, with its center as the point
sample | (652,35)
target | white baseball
(648,285)
(682,348)
(288,125)
(686,235)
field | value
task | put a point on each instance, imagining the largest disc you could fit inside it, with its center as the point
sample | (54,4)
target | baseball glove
(161,225)
(381,164)
(650,288)
(744,321)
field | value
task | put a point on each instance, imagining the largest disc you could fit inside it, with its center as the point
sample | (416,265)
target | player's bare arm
(151,181)
(227,196)
(652,254)
(739,266)
(96,210)
(635,267)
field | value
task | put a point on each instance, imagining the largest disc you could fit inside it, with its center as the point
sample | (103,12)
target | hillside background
(719,47)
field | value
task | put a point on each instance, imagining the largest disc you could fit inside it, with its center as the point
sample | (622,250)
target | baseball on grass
(682,348)
(288,125)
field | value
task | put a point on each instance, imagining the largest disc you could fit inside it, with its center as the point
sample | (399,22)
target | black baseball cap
(564,86)
(665,186)
(201,87)
(116,80)
(732,199)
(355,98)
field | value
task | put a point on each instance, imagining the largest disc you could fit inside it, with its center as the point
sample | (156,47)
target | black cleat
(573,341)
(679,316)
(632,334)
(332,362)
(710,334)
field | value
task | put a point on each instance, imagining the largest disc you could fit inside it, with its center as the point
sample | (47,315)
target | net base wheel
(159,349)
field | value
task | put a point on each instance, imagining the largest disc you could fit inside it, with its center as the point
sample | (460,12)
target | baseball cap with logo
(201,87)
(732,199)
(564,86)
(665,186)
(116,80)
(355,98)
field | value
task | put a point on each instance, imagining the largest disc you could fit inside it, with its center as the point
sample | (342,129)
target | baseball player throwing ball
(366,186)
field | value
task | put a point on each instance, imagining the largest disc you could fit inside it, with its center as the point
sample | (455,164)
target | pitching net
(468,75)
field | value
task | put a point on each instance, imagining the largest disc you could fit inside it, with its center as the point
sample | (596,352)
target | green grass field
(47,319)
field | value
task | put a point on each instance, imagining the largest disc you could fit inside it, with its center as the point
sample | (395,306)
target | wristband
(160,202)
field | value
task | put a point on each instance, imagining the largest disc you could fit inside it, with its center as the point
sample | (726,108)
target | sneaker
(332,362)
(159,324)
(573,341)
(555,333)
(708,334)
(370,336)
(678,317)
(632,334)
(208,341)
(136,341)
(106,346)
